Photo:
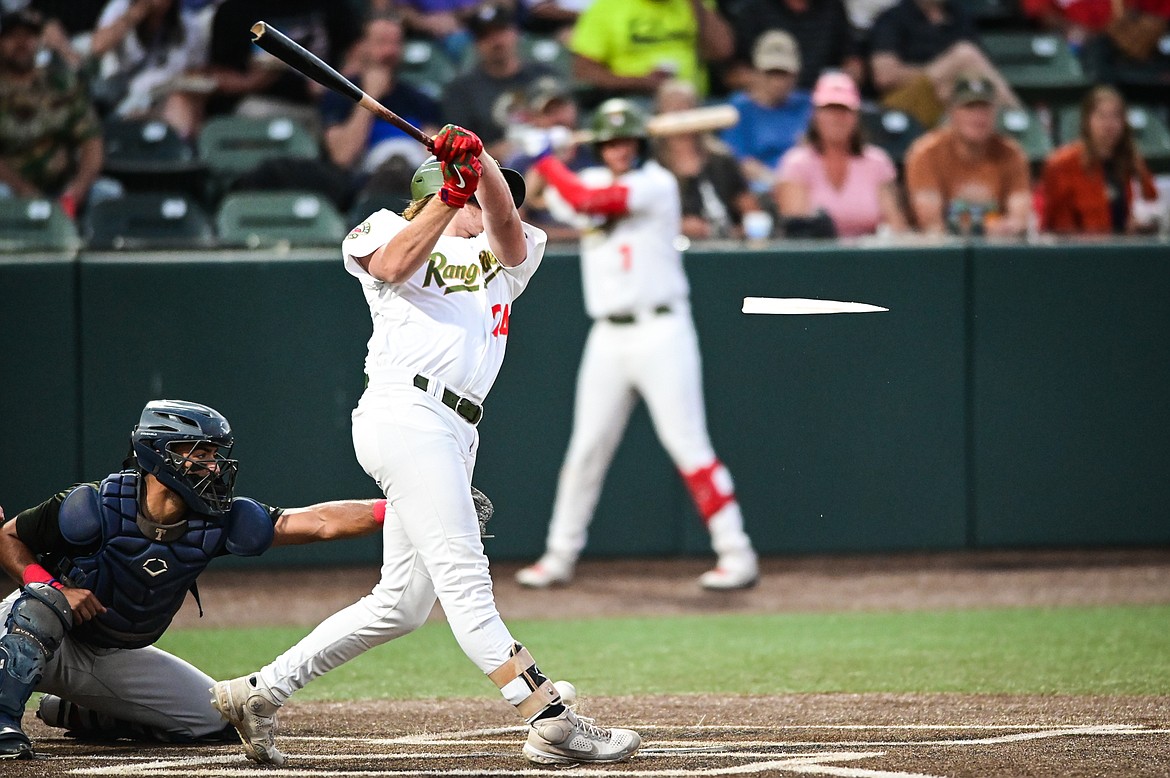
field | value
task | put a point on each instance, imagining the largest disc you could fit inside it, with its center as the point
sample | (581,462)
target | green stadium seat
(1035,63)
(1150,132)
(547,51)
(1027,130)
(232,145)
(148,220)
(426,67)
(35,224)
(147,154)
(372,202)
(253,219)
(890,129)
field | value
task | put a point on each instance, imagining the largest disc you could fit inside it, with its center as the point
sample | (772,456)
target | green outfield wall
(1012,396)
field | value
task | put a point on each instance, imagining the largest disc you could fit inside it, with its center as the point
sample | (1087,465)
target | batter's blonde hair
(415,207)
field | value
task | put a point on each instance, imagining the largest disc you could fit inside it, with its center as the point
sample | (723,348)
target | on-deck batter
(440,281)
(642,342)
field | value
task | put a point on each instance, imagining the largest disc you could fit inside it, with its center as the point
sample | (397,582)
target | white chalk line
(772,757)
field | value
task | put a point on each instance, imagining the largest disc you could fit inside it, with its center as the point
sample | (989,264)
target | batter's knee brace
(523,685)
(35,627)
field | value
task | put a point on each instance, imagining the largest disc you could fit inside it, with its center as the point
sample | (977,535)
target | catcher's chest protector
(141,582)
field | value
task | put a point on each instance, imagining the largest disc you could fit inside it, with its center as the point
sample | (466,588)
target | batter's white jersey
(450,319)
(631,264)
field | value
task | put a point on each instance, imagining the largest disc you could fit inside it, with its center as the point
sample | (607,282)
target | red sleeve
(612,200)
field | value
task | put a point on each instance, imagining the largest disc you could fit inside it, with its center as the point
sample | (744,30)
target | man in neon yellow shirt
(632,46)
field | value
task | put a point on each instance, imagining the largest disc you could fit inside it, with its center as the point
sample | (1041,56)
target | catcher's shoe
(571,739)
(249,707)
(14,744)
(739,570)
(549,570)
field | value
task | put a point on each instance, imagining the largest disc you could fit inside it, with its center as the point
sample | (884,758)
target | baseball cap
(489,18)
(776,50)
(836,88)
(972,89)
(544,91)
(28,18)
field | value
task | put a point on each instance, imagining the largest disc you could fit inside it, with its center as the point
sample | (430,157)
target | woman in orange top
(1088,184)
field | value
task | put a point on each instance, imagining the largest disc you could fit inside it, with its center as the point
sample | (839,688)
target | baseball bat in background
(705,119)
(310,65)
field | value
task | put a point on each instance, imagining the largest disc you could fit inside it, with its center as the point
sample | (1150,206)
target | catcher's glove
(483,511)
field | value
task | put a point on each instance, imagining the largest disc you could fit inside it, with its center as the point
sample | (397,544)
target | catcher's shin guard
(523,685)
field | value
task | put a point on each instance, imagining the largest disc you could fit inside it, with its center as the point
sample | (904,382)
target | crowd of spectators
(803,75)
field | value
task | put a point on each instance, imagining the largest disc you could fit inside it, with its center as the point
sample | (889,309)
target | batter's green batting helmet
(618,118)
(428,179)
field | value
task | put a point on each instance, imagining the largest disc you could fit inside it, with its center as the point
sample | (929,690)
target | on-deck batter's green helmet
(618,118)
(428,179)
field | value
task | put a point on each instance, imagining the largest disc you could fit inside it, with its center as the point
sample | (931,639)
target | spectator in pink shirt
(834,172)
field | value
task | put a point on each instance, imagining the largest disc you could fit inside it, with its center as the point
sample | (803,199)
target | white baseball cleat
(739,570)
(249,708)
(549,570)
(572,739)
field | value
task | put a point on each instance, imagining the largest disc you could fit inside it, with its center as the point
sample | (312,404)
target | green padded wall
(1071,369)
(38,379)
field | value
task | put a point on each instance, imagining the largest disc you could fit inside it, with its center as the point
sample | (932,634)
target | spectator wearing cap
(827,40)
(917,50)
(715,195)
(50,136)
(966,177)
(629,47)
(835,172)
(491,94)
(772,111)
(355,139)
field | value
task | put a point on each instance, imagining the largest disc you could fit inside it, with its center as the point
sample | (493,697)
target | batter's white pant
(422,455)
(656,358)
(140,685)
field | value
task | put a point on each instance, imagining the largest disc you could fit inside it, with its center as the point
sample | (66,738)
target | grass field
(1068,650)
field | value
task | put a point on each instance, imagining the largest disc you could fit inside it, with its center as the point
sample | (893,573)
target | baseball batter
(105,566)
(440,281)
(642,342)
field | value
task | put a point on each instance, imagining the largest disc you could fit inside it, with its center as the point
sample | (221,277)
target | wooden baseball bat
(706,119)
(310,65)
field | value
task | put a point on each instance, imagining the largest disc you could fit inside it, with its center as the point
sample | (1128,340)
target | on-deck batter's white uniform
(449,324)
(642,343)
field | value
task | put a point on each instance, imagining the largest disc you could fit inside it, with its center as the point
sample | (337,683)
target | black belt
(468,410)
(629,318)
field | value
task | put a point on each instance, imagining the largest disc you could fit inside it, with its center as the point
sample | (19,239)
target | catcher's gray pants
(142,685)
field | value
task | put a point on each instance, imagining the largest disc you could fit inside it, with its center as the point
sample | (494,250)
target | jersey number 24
(500,318)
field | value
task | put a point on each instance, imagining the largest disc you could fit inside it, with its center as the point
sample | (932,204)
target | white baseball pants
(422,455)
(657,358)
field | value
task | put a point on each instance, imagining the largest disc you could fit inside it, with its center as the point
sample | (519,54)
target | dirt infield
(823,734)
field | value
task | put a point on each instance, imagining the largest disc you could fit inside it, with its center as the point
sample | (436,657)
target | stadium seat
(426,67)
(147,154)
(372,202)
(1028,130)
(1149,131)
(232,145)
(35,224)
(1035,64)
(274,218)
(890,129)
(547,51)
(148,220)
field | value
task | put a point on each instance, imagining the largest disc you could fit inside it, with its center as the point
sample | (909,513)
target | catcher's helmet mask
(171,442)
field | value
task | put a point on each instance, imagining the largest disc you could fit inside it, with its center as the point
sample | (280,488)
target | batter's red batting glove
(454,141)
(460,178)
